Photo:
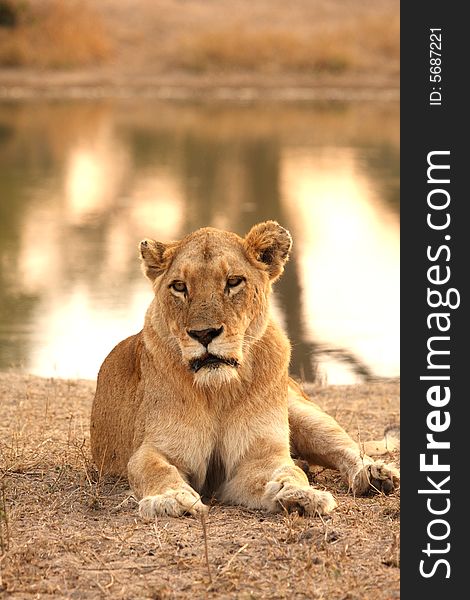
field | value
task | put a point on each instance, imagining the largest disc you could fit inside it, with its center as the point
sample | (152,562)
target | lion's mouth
(212,362)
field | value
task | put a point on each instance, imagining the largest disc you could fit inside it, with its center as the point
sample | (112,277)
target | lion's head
(212,295)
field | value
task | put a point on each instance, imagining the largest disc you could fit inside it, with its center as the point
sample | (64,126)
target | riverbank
(66,532)
(88,85)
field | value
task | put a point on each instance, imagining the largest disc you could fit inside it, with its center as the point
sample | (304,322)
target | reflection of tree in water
(16,307)
(16,316)
(28,164)
(201,162)
(18,171)
(382,166)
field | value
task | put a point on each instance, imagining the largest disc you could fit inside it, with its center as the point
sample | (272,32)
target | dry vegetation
(305,38)
(357,45)
(52,33)
(67,533)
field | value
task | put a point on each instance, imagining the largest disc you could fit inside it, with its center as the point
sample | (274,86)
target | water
(81,183)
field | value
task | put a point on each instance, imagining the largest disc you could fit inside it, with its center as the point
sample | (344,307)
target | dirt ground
(67,534)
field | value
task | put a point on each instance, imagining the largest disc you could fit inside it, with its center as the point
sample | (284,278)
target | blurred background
(128,119)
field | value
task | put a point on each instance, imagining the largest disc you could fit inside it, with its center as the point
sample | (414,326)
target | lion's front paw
(305,500)
(172,503)
(375,476)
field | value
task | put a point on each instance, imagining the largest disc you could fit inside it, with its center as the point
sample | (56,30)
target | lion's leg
(317,438)
(161,487)
(268,478)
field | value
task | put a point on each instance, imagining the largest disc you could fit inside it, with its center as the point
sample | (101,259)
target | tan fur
(178,427)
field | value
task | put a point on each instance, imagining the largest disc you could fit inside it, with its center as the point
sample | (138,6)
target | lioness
(200,401)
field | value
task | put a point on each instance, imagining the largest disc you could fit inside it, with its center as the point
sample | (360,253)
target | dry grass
(69,533)
(54,33)
(235,48)
(168,38)
(353,45)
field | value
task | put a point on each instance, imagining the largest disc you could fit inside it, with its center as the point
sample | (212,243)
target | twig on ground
(206,549)
(4,526)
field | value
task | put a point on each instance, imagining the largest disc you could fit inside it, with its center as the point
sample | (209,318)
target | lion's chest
(205,444)
(185,437)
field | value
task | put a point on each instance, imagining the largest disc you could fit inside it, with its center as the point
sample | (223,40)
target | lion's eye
(179,286)
(233,282)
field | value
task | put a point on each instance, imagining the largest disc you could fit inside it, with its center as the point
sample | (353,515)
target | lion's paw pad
(305,500)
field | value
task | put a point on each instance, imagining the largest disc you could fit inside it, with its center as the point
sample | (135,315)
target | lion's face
(212,295)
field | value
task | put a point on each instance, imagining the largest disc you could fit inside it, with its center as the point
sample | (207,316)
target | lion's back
(115,405)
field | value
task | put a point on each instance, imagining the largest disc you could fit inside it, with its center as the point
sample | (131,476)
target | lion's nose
(205,336)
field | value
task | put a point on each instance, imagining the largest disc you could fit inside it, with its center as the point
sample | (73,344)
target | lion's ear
(154,258)
(269,244)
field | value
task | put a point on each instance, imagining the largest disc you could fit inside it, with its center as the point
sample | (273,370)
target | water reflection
(81,183)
